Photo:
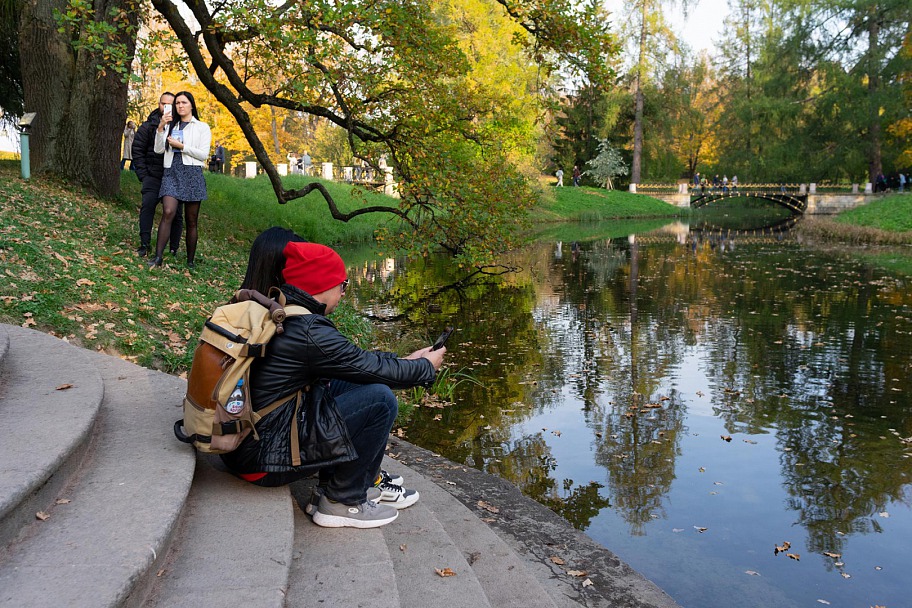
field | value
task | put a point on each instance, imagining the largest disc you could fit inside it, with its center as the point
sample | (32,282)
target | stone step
(45,431)
(502,574)
(103,547)
(233,546)
(339,566)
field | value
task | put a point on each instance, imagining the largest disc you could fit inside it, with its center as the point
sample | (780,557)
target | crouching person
(332,376)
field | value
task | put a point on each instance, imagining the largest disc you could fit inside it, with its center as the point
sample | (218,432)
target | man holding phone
(149,167)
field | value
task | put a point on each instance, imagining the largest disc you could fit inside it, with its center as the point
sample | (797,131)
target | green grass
(892,213)
(594,204)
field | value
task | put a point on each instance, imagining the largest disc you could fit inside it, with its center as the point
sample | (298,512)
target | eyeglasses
(344,286)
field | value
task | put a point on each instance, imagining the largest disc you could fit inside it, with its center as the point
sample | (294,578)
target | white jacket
(197,139)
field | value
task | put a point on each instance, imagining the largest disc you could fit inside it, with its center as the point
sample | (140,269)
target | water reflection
(651,388)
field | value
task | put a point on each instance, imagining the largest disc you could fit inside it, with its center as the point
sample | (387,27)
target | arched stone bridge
(797,198)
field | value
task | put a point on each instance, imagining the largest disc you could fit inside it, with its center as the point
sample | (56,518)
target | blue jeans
(369,411)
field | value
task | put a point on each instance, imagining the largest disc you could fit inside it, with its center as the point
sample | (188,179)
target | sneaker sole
(311,507)
(337,521)
(402,503)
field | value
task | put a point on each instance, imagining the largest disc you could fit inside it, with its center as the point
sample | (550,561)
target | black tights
(191,219)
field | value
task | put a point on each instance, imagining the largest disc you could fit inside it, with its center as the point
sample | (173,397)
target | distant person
(725,184)
(576,175)
(185,143)
(734,183)
(902,182)
(696,180)
(149,167)
(219,158)
(306,163)
(128,136)
(559,174)
(881,183)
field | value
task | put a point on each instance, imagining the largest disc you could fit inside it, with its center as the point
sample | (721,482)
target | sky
(699,29)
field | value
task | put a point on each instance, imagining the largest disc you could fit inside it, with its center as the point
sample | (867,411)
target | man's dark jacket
(310,353)
(146,162)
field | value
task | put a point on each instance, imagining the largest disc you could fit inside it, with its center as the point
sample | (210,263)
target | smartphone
(167,109)
(443,338)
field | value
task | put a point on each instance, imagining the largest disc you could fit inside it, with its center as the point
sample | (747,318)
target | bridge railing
(772,187)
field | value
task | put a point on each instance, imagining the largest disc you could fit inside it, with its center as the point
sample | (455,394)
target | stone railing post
(632,188)
(868,188)
(326,171)
(250,169)
(854,188)
(813,189)
(389,187)
(802,189)
(282,168)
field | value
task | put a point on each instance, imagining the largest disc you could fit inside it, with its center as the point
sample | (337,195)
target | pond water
(691,402)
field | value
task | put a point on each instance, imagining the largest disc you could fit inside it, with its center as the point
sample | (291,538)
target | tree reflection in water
(810,349)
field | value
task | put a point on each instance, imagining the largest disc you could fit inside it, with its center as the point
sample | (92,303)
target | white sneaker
(397,496)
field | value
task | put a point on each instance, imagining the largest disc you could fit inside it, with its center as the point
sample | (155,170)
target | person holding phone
(185,141)
(311,358)
(149,168)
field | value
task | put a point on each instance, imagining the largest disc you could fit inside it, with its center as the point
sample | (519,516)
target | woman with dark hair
(266,261)
(185,143)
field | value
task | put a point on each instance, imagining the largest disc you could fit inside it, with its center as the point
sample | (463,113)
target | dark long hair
(267,260)
(193,111)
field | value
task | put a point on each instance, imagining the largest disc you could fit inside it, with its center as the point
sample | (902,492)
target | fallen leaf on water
(725,438)
(577,572)
(702,470)
(878,567)
(557,560)
(700,529)
(558,433)
(785,547)
(823,602)
(833,555)
(884,514)
(845,575)
(793,556)
(63,387)
(445,572)
(488,506)
(752,572)
(587,583)
(750,441)
(42,515)
(677,529)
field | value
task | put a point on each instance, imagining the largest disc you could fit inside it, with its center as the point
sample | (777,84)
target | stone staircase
(101,506)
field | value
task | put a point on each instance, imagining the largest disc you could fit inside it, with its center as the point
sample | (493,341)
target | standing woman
(185,144)
(129,133)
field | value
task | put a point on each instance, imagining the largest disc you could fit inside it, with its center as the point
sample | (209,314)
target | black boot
(156,261)
(143,250)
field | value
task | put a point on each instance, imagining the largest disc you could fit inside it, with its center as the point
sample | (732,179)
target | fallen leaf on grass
(444,572)
(577,572)
(63,387)
(82,282)
(42,516)
(557,560)
(488,506)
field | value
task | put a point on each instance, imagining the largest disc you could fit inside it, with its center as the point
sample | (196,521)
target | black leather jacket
(145,161)
(309,354)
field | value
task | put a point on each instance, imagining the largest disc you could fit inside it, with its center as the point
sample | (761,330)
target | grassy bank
(594,204)
(886,221)
(71,270)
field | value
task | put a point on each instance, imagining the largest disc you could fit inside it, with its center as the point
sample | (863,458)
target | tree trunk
(81,113)
(875,158)
(638,113)
(275,133)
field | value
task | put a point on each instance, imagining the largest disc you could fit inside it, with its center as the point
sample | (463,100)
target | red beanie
(312,267)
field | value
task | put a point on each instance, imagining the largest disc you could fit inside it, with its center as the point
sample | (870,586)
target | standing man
(149,168)
(902,182)
(559,174)
(576,175)
(219,158)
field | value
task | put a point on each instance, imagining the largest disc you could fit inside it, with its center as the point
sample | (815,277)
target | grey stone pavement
(101,506)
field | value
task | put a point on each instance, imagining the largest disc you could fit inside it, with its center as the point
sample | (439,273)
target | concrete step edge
(233,546)
(45,425)
(536,534)
(101,547)
(503,574)
(338,566)
(4,344)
